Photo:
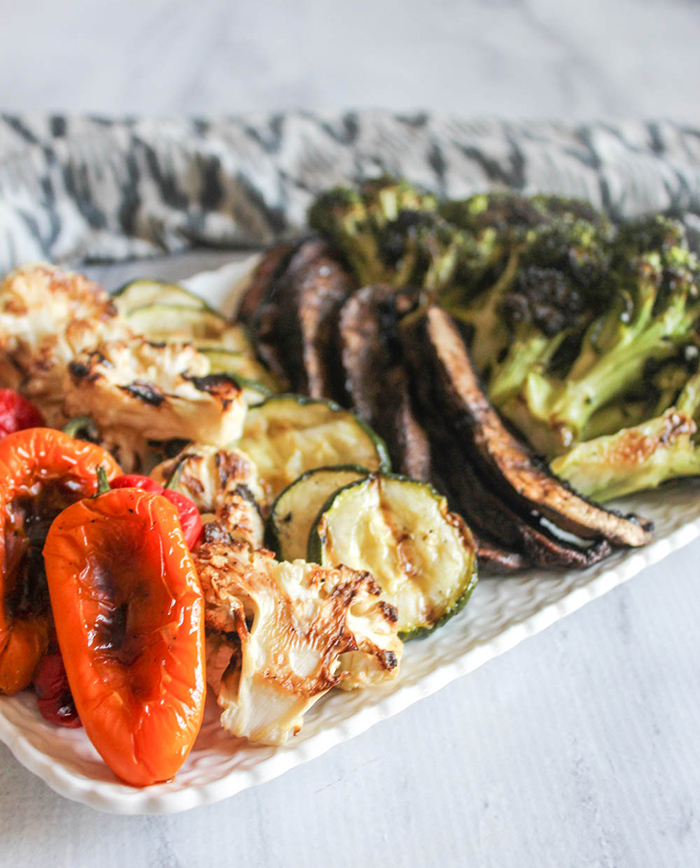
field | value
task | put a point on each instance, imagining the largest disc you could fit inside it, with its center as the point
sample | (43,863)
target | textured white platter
(501,614)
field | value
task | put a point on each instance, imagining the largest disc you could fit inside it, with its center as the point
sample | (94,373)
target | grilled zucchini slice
(239,365)
(400,531)
(144,293)
(296,509)
(290,434)
(203,328)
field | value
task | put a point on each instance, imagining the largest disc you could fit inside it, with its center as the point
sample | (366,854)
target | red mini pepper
(188,513)
(17,413)
(41,471)
(53,693)
(129,615)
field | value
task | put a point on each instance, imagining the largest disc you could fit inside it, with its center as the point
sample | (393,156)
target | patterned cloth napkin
(77,189)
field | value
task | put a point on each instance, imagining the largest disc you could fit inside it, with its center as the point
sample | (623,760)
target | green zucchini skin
(465,581)
(288,532)
(357,444)
(241,365)
(147,292)
(204,328)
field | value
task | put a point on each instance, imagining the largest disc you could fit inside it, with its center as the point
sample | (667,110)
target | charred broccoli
(651,309)
(639,457)
(389,233)
(548,291)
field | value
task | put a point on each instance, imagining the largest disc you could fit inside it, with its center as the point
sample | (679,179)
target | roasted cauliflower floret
(139,393)
(287,633)
(223,483)
(46,317)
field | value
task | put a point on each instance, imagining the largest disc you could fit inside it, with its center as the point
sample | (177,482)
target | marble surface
(576,749)
(525,58)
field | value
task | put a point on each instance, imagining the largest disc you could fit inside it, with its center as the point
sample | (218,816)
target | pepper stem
(81,428)
(174,477)
(102,481)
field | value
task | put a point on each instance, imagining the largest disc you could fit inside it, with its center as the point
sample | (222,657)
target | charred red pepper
(129,616)
(188,513)
(41,472)
(17,413)
(53,692)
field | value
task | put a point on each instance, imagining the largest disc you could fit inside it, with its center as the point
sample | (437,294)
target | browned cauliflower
(139,393)
(47,316)
(282,634)
(223,483)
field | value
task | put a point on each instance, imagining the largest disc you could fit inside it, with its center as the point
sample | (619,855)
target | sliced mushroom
(505,462)
(491,518)
(375,378)
(295,327)
(266,271)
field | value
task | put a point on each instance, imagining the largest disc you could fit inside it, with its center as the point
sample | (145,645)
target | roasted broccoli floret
(389,233)
(340,216)
(651,310)
(547,292)
(640,457)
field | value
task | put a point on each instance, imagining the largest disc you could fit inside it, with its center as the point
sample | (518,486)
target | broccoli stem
(567,406)
(530,350)
(634,459)
(490,335)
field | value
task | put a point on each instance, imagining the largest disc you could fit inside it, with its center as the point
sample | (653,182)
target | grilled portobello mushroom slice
(270,267)
(376,381)
(528,540)
(295,328)
(505,462)
(499,561)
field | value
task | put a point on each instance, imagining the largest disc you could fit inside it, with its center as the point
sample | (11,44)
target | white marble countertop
(576,749)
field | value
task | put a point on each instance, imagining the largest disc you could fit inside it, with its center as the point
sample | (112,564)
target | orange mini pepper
(41,472)
(129,616)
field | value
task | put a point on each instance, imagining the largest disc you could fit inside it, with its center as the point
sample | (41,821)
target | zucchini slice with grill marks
(225,361)
(254,393)
(296,509)
(290,434)
(203,328)
(400,531)
(144,293)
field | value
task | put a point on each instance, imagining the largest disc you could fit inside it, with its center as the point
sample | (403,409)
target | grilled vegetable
(17,413)
(270,266)
(47,316)
(41,472)
(503,535)
(180,323)
(223,484)
(440,359)
(290,434)
(298,318)
(145,293)
(242,367)
(130,623)
(138,394)
(375,378)
(401,532)
(187,512)
(390,233)
(295,511)
(53,696)
(283,634)
(634,459)
(651,311)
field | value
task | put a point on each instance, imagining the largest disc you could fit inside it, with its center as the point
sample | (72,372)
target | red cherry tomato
(188,513)
(53,694)
(17,413)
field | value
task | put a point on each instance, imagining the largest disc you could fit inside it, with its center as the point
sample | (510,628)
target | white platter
(501,614)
